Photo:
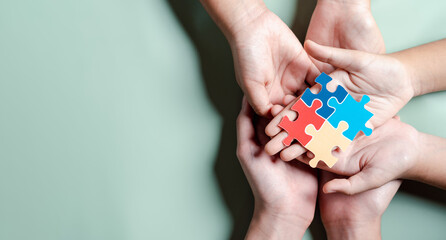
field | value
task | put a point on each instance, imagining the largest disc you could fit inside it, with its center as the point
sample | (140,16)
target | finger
(313,72)
(357,183)
(273,127)
(292,152)
(258,98)
(349,60)
(245,129)
(288,99)
(304,158)
(275,145)
(321,66)
(276,109)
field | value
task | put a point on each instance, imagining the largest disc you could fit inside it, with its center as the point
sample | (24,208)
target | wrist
(349,4)
(370,229)
(412,72)
(234,16)
(270,224)
(407,74)
(417,170)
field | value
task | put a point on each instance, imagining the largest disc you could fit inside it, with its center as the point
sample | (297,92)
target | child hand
(391,152)
(383,78)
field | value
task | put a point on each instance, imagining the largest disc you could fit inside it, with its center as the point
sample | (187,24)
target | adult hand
(270,62)
(356,216)
(285,192)
(344,24)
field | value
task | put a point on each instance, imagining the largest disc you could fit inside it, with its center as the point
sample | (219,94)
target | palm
(270,62)
(348,25)
(367,206)
(387,97)
(275,183)
(388,152)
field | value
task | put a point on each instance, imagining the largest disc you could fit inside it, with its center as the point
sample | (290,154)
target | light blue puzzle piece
(351,112)
(324,95)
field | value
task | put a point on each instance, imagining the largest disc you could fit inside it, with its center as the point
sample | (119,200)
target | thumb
(258,98)
(350,60)
(360,182)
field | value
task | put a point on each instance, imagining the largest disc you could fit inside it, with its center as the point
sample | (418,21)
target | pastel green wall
(117,121)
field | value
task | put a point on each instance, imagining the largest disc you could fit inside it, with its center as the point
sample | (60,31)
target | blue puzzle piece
(353,113)
(325,111)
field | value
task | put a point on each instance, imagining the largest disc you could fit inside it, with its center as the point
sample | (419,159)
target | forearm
(426,65)
(365,3)
(430,165)
(358,230)
(266,225)
(231,15)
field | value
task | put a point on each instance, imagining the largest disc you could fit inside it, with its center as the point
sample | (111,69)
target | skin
(397,151)
(268,71)
(285,192)
(394,150)
(357,216)
(269,60)
(347,24)
(359,73)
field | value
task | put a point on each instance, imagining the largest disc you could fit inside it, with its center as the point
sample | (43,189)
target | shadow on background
(224,93)
(219,79)
(427,192)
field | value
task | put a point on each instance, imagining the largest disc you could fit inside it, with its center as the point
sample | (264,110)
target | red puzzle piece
(307,115)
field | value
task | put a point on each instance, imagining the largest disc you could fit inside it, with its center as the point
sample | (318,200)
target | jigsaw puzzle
(306,115)
(326,120)
(353,113)
(324,95)
(324,141)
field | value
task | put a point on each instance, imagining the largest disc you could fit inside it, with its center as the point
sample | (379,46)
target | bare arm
(273,226)
(430,165)
(231,14)
(427,65)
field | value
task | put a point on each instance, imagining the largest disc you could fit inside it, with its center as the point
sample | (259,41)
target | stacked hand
(273,68)
(359,73)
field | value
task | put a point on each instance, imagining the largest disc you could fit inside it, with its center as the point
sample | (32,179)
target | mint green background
(116,121)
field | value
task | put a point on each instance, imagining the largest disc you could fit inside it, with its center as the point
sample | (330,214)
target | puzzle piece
(353,113)
(307,115)
(323,142)
(324,95)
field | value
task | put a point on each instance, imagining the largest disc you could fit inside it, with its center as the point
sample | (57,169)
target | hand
(285,192)
(270,62)
(382,77)
(344,24)
(357,216)
(391,152)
